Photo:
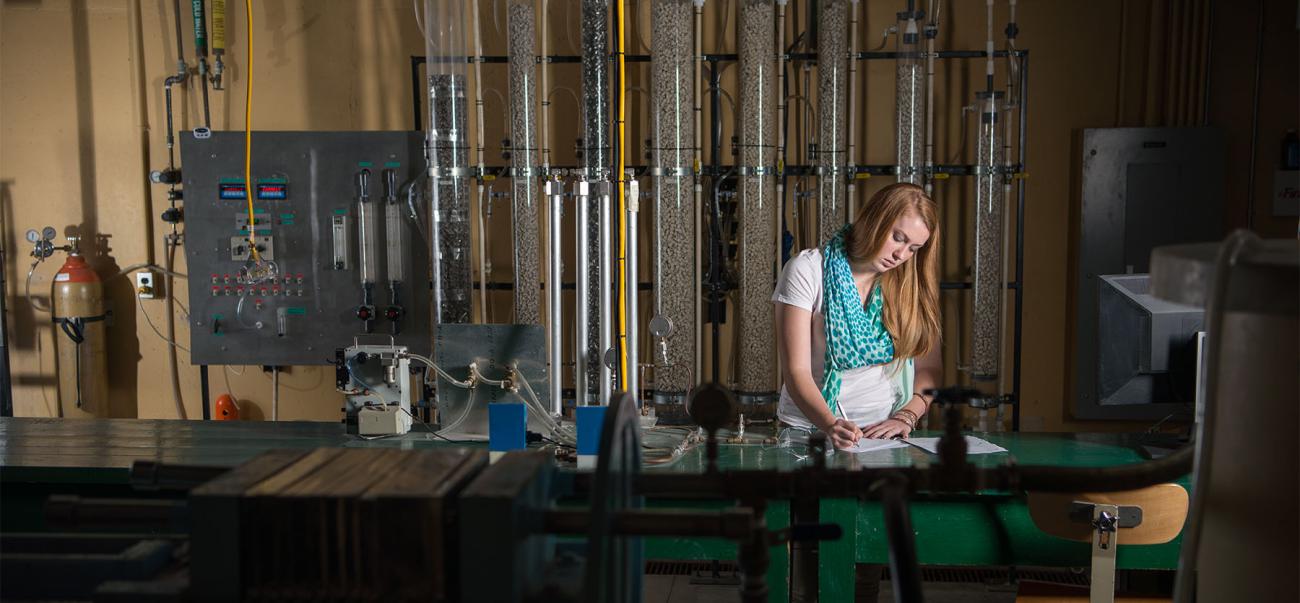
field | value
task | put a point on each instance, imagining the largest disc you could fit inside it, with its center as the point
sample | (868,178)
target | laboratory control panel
(331,251)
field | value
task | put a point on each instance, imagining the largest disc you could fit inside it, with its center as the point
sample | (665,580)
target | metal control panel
(320,200)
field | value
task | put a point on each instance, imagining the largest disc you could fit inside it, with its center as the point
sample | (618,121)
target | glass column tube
(756,372)
(447,152)
(596,161)
(832,134)
(521,27)
(990,277)
(910,100)
(675,270)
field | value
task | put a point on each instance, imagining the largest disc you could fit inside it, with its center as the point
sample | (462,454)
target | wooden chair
(1153,515)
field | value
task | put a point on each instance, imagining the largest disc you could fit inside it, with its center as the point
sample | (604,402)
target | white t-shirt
(867,393)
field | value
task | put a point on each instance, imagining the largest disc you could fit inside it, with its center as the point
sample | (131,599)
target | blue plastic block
(507,426)
(590,419)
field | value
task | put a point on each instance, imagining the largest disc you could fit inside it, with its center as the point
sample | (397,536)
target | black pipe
(1018,334)
(904,571)
(1254,121)
(6,383)
(203,386)
(416,90)
(180,46)
(715,230)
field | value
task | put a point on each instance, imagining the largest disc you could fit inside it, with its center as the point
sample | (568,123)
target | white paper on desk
(872,445)
(974,445)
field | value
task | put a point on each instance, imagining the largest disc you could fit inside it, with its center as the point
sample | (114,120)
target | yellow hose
(622,208)
(248,134)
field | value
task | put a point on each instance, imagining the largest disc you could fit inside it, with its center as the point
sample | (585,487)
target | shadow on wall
(22,320)
(118,292)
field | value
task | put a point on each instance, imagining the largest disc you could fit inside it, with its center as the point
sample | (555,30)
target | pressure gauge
(49,233)
(33,236)
(661,326)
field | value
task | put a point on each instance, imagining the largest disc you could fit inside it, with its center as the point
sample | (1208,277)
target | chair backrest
(1164,510)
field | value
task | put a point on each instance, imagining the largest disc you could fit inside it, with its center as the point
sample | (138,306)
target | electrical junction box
(383,420)
(147,285)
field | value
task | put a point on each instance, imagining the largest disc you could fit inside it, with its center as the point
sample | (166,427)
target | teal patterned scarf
(855,336)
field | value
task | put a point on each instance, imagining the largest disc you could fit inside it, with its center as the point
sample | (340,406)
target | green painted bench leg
(836,578)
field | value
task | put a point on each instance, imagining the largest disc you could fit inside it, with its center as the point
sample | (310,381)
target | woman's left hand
(889,428)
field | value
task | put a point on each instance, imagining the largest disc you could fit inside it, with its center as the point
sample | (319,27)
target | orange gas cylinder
(226,408)
(80,338)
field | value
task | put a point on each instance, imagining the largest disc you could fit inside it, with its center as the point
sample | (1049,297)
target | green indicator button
(364,164)
(286,216)
(341,212)
(392,164)
(297,311)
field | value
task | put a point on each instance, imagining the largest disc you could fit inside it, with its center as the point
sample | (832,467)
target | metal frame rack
(716,288)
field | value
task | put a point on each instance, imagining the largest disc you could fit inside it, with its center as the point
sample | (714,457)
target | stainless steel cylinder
(581,305)
(554,309)
(631,380)
(606,301)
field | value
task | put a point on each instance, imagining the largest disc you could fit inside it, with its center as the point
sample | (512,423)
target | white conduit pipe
(582,194)
(698,367)
(478,114)
(851,157)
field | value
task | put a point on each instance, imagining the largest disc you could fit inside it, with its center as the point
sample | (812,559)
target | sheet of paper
(974,445)
(870,445)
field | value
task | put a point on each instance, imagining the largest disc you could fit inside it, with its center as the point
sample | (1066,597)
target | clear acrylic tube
(756,374)
(596,162)
(832,94)
(595,89)
(675,270)
(447,152)
(990,205)
(910,100)
(522,39)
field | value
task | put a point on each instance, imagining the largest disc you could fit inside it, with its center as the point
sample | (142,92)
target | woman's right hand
(843,434)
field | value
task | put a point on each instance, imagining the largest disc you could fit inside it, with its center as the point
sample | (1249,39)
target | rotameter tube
(394,249)
(367,223)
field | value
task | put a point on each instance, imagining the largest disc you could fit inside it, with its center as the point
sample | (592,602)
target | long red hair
(911,291)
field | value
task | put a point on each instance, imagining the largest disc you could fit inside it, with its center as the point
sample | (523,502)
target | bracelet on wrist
(906,416)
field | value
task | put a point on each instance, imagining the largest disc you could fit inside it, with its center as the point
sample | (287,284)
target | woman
(875,283)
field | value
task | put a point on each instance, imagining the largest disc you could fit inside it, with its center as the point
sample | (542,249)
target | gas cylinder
(80,338)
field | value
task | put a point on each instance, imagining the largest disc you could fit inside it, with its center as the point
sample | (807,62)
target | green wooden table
(92,457)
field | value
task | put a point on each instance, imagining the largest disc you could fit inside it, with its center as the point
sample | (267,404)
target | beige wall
(72,153)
